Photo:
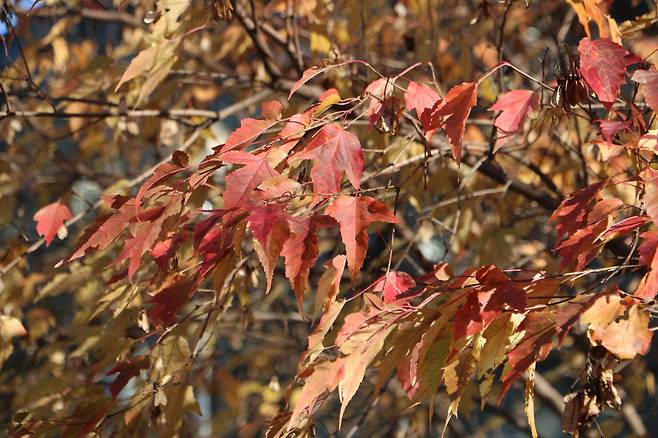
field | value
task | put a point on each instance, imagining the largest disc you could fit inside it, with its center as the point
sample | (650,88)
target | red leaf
(271,110)
(312,72)
(515,106)
(451,114)
(248,131)
(393,284)
(146,233)
(162,252)
(333,151)
(610,128)
(604,208)
(50,219)
(294,130)
(270,228)
(167,302)
(212,241)
(420,97)
(581,247)
(571,214)
(126,370)
(623,226)
(539,329)
(506,290)
(377,91)
(241,183)
(468,319)
(160,174)
(649,78)
(105,230)
(650,178)
(488,301)
(648,287)
(353,216)
(603,64)
(300,252)
(307,75)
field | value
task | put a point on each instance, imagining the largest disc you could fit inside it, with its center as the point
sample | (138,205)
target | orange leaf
(628,336)
(451,114)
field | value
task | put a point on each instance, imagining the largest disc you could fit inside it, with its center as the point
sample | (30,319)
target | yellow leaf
(320,43)
(530,400)
(141,63)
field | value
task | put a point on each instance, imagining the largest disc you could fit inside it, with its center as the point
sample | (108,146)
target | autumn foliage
(398,226)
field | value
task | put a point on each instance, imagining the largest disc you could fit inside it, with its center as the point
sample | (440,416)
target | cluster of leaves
(164,265)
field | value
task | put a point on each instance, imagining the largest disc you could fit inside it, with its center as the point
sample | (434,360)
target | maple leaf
(488,301)
(329,283)
(213,241)
(294,129)
(355,364)
(451,114)
(602,311)
(394,284)
(328,98)
(468,319)
(629,335)
(105,229)
(316,338)
(497,337)
(604,208)
(378,90)
(539,328)
(333,151)
(623,226)
(353,216)
(312,72)
(506,291)
(603,64)
(143,62)
(323,378)
(50,219)
(301,251)
(271,110)
(592,12)
(514,106)
(167,301)
(146,232)
(648,78)
(161,173)
(610,128)
(650,178)
(163,251)
(241,183)
(582,246)
(648,287)
(126,370)
(307,75)
(277,187)
(249,130)
(420,97)
(270,228)
(572,213)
